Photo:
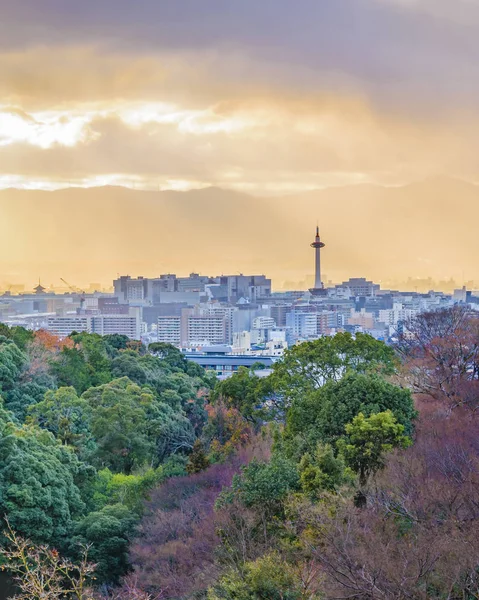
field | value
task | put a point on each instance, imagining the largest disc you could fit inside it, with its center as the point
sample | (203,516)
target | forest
(350,471)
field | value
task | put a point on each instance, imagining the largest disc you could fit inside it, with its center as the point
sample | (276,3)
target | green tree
(127,490)
(116,341)
(243,391)
(321,415)
(308,366)
(94,349)
(322,471)
(170,354)
(19,335)
(263,485)
(12,361)
(38,483)
(369,440)
(198,461)
(132,428)
(267,578)
(71,369)
(129,364)
(106,532)
(64,414)
(23,395)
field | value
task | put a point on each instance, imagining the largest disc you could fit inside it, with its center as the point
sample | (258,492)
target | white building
(206,330)
(64,326)
(169,330)
(302,324)
(129,325)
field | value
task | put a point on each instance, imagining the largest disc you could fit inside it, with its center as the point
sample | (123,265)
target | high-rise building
(169,329)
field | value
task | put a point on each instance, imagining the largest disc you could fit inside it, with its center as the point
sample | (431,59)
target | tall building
(169,329)
(302,324)
(359,286)
(124,324)
(206,330)
(318,288)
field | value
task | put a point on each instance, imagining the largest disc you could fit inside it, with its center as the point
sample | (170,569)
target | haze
(361,115)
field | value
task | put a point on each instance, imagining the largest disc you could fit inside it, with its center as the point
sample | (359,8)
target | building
(129,324)
(362,319)
(302,325)
(326,321)
(169,330)
(224,364)
(359,286)
(252,287)
(64,326)
(202,330)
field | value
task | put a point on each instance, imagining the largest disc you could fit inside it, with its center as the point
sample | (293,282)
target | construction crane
(75,290)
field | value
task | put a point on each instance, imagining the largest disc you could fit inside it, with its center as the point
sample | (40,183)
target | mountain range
(423,229)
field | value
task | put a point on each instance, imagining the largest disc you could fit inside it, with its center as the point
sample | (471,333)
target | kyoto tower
(318,288)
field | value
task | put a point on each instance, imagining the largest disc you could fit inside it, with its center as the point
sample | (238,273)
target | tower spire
(317,245)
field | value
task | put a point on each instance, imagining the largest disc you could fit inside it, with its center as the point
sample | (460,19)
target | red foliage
(419,535)
(441,355)
(174,552)
(44,348)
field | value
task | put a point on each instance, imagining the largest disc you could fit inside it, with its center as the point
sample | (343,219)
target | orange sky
(269,98)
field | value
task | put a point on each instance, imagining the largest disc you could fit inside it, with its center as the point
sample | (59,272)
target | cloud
(266,147)
(263,96)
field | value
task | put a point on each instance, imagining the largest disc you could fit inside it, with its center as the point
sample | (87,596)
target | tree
(308,366)
(321,416)
(263,485)
(129,364)
(94,350)
(268,578)
(368,442)
(106,534)
(126,490)
(24,395)
(132,428)
(170,354)
(40,573)
(198,461)
(322,471)
(174,549)
(64,414)
(71,369)
(12,361)
(245,392)
(441,354)
(39,491)
(19,335)
(116,341)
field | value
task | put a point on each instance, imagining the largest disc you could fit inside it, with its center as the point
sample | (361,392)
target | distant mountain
(424,229)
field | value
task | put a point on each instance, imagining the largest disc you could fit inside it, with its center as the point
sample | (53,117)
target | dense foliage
(88,426)
(321,481)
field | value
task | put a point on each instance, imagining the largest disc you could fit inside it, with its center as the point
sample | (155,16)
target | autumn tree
(441,354)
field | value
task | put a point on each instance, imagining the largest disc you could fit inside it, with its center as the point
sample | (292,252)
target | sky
(266,97)
(269,98)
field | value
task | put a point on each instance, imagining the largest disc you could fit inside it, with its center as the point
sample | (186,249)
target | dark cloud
(398,52)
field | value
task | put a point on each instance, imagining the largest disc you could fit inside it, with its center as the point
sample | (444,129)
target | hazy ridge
(423,229)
